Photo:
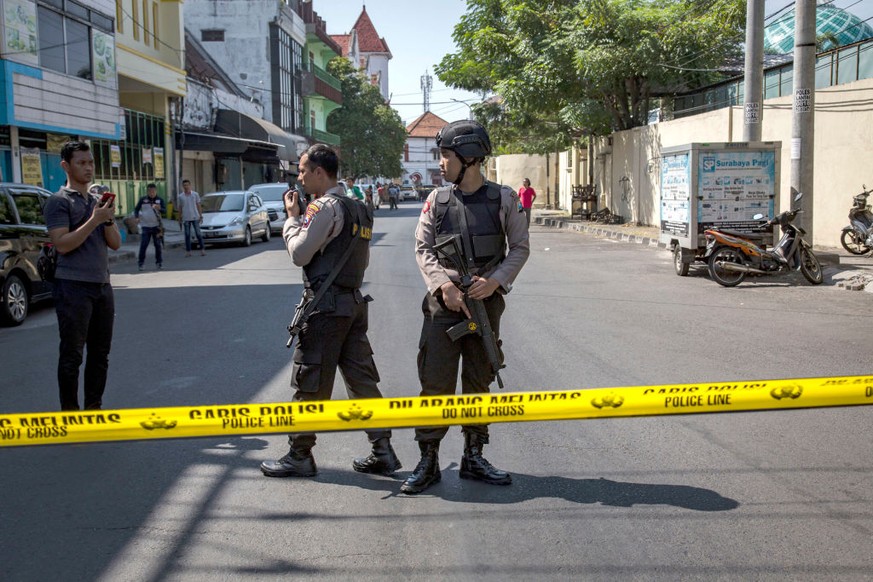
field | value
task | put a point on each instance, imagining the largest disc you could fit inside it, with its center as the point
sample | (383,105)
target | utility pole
(803,118)
(754,71)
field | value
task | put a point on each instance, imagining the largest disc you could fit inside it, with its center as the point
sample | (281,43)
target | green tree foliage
(372,133)
(563,68)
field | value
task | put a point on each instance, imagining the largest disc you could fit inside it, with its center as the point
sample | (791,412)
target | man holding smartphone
(82,227)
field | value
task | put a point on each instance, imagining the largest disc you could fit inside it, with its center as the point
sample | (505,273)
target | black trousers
(335,337)
(439,358)
(86,314)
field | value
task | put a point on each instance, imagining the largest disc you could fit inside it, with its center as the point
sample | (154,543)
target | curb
(824,256)
(601,231)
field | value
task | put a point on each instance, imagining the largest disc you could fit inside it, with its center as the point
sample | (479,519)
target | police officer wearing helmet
(336,332)
(488,216)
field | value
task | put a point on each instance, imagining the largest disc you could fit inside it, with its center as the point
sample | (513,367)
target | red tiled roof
(343,41)
(369,40)
(427,125)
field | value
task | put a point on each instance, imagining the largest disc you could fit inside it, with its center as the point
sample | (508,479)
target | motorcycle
(732,255)
(857,238)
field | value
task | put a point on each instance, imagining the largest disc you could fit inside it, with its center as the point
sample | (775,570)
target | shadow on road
(528,487)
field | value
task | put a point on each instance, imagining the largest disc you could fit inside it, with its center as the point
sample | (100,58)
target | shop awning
(221,143)
(248,127)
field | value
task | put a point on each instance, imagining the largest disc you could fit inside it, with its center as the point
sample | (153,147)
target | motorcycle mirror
(758,217)
(798,197)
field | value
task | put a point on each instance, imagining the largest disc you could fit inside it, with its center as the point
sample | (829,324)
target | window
(65,41)
(212,35)
(29,207)
(312,121)
(78,49)
(155,21)
(51,40)
(286,56)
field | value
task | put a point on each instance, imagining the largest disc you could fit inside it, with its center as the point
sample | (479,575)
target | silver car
(271,194)
(235,216)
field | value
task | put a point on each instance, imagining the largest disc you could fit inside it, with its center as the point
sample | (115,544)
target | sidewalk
(174,237)
(848,271)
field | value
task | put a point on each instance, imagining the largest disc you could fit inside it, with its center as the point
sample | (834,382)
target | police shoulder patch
(426,208)
(311,211)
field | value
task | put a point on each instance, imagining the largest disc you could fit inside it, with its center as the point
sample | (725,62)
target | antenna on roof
(426,86)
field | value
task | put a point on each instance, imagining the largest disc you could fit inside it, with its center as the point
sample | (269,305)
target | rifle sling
(325,285)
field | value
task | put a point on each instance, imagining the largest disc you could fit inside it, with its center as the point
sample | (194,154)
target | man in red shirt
(527,195)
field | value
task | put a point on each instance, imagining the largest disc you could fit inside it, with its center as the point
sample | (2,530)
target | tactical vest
(482,209)
(357,230)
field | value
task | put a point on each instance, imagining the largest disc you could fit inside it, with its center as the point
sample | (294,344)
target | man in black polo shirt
(81,229)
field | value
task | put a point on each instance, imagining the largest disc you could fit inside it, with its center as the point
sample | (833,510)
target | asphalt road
(755,496)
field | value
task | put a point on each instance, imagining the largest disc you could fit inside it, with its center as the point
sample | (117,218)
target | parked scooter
(733,255)
(857,238)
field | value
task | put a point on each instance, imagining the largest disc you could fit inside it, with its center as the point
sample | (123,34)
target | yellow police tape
(337,415)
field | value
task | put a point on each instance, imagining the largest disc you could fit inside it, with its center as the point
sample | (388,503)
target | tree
(587,66)
(372,134)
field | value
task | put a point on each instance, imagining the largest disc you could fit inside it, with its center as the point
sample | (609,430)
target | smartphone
(107,199)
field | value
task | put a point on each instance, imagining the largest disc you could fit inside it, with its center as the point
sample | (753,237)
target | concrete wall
(512,169)
(627,172)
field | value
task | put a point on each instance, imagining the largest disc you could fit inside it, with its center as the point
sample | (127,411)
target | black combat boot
(294,464)
(475,466)
(427,472)
(382,461)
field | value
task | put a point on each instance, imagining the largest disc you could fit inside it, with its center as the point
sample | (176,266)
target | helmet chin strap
(464,165)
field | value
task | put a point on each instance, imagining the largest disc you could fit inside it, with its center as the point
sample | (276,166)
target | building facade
(151,79)
(322,92)
(259,44)
(421,156)
(367,51)
(55,91)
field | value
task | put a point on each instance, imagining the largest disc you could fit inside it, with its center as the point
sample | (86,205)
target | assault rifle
(301,315)
(478,324)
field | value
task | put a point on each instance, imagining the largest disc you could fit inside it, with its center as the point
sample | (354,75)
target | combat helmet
(467,138)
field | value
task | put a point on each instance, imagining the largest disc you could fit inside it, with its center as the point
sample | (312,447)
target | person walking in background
(368,198)
(82,227)
(191,215)
(527,195)
(330,238)
(393,193)
(380,195)
(148,212)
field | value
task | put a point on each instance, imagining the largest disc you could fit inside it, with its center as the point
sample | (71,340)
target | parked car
(272,196)
(22,237)
(234,216)
(408,193)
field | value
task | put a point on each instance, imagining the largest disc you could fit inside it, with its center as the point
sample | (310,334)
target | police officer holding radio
(331,236)
(487,218)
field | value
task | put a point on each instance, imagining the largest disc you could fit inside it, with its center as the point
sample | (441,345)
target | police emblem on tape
(355,412)
(781,392)
(608,401)
(155,422)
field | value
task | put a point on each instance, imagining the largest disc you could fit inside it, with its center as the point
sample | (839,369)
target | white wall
(842,155)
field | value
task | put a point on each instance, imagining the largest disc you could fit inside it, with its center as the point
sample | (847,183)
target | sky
(419,34)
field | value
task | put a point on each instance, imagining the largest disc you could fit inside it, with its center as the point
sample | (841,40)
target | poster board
(716,184)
